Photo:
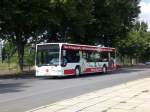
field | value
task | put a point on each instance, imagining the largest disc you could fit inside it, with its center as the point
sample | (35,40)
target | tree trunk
(20,50)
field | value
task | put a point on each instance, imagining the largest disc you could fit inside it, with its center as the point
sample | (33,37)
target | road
(22,94)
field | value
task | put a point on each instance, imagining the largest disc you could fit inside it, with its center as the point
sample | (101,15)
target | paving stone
(126,105)
(143,108)
(119,110)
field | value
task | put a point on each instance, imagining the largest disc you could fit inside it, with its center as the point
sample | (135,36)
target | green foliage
(29,58)
(113,18)
(20,19)
(12,57)
(9,49)
(136,44)
(77,21)
(71,17)
(146,54)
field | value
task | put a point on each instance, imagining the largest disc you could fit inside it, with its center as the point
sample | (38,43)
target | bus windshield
(47,55)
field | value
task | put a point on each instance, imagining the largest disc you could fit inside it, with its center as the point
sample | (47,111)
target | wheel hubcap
(77,72)
(104,69)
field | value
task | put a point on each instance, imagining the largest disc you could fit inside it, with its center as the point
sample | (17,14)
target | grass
(6,66)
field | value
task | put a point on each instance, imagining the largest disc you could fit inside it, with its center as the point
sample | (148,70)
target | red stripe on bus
(92,70)
(88,48)
(69,72)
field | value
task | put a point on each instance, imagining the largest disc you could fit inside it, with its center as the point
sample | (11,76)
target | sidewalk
(128,97)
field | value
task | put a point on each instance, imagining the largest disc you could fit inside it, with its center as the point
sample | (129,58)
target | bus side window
(77,56)
(93,57)
(72,56)
(104,56)
(113,55)
(89,56)
(97,57)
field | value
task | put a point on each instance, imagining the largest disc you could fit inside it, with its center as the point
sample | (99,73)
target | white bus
(62,59)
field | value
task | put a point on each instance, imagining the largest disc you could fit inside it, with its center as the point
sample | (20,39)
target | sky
(145,12)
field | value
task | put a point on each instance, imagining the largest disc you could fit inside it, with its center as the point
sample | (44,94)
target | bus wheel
(77,71)
(104,69)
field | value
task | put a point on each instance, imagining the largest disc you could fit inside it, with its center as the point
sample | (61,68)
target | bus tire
(104,69)
(77,71)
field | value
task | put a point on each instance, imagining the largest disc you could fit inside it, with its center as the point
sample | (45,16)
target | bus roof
(82,47)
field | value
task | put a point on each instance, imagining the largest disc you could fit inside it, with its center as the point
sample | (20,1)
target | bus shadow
(12,87)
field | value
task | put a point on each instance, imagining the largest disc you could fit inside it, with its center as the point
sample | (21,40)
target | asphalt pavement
(19,94)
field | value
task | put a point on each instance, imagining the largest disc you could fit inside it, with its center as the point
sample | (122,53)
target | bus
(63,59)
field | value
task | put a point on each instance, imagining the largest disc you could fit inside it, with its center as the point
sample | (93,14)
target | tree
(72,17)
(135,44)
(36,20)
(113,18)
(77,21)
(19,19)
(146,54)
